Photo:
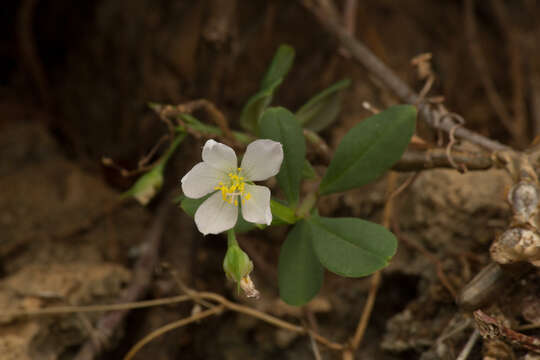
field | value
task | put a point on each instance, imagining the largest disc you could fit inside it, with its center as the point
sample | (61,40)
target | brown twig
(515,69)
(312,321)
(451,135)
(392,193)
(142,275)
(270,319)
(490,328)
(60,310)
(481,66)
(349,20)
(174,325)
(366,314)
(425,72)
(413,160)
(360,53)
(464,354)
(142,164)
(216,115)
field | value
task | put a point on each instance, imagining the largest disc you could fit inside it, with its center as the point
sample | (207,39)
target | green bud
(147,186)
(236,264)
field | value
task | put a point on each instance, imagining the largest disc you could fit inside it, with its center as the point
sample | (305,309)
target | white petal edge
(257,208)
(215,216)
(219,156)
(201,180)
(262,160)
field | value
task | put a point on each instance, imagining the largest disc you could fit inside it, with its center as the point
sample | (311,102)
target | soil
(75,83)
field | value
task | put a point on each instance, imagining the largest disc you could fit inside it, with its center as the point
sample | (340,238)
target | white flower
(219,171)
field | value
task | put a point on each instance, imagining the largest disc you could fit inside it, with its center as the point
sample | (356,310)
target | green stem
(231,238)
(172,148)
(307,204)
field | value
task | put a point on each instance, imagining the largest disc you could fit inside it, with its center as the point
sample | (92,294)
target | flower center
(234,188)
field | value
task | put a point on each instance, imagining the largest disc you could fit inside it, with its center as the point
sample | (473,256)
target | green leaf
(190,206)
(322,109)
(350,246)
(193,123)
(300,275)
(257,103)
(369,149)
(308,172)
(281,214)
(255,106)
(279,124)
(279,67)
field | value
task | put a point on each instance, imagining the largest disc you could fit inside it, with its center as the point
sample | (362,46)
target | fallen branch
(142,275)
(435,115)
(413,160)
(490,328)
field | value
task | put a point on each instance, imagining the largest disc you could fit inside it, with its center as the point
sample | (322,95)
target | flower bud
(236,264)
(237,267)
(147,186)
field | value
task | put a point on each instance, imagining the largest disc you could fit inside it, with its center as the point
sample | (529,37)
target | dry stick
(174,325)
(142,275)
(59,310)
(490,328)
(229,305)
(413,160)
(482,68)
(528,326)
(216,115)
(516,69)
(464,354)
(360,53)
(376,278)
(349,19)
(269,319)
(313,325)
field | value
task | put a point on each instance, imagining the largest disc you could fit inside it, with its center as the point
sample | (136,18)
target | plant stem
(172,148)
(231,238)
(307,204)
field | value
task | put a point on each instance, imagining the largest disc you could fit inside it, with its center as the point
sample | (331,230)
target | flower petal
(257,208)
(219,156)
(201,180)
(262,159)
(215,216)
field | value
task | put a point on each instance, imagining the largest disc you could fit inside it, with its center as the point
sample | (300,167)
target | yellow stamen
(234,188)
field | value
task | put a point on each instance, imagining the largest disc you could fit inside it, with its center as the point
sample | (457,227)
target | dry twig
(171,326)
(142,275)
(481,66)
(434,116)
(490,328)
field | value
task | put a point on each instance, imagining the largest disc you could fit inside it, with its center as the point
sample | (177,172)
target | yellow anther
(234,189)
